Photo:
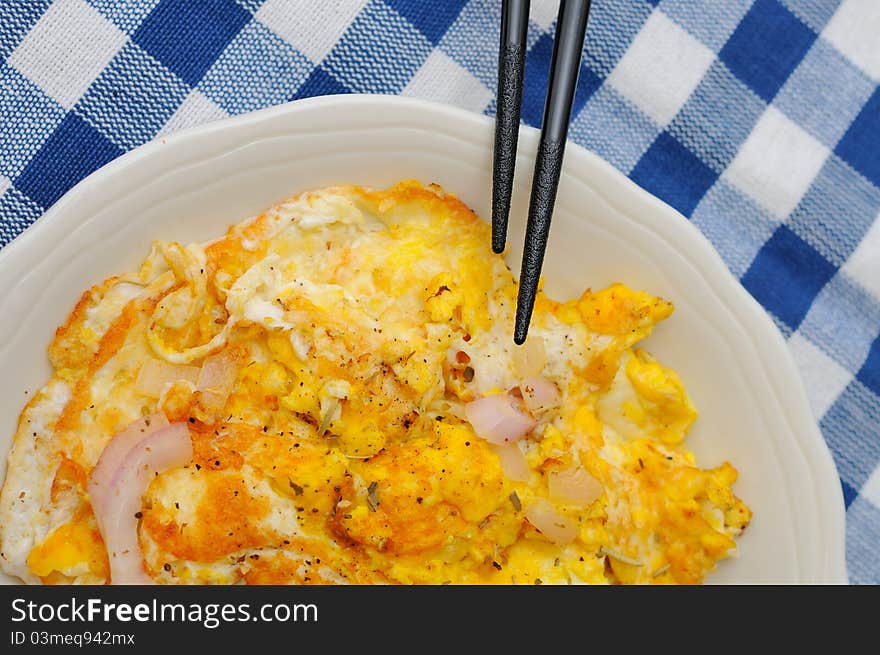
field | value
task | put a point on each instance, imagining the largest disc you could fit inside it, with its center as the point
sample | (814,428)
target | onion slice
(117,486)
(498,419)
(114,454)
(575,486)
(557,527)
(217,378)
(539,394)
(155,374)
(513,462)
(530,358)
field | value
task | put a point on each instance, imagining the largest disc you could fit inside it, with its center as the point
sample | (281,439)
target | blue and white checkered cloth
(759,120)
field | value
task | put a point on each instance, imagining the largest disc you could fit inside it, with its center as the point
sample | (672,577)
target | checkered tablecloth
(759,120)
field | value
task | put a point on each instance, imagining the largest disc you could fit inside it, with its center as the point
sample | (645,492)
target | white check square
(871,488)
(196,108)
(777,163)
(855,31)
(67,49)
(311,27)
(863,265)
(661,68)
(544,12)
(442,79)
(824,378)
(4,184)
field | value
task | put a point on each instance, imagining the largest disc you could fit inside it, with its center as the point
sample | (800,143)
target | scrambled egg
(359,324)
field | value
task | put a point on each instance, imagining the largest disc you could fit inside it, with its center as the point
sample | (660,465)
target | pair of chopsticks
(571,27)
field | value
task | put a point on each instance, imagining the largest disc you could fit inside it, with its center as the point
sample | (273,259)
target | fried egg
(358,413)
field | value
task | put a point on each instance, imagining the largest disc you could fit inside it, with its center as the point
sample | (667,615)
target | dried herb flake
(514,499)
(373,496)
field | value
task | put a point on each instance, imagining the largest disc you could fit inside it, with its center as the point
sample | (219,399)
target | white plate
(191,186)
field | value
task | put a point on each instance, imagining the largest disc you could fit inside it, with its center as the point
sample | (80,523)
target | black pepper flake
(176,505)
(419,499)
(166,566)
(468,374)
(191,419)
(198,467)
(514,499)
(496,565)
(539,581)
(139,515)
(373,496)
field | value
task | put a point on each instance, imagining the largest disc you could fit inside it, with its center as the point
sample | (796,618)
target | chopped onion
(557,527)
(575,486)
(155,374)
(498,419)
(530,358)
(116,487)
(539,394)
(513,462)
(217,378)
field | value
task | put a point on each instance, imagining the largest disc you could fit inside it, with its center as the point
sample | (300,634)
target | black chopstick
(511,66)
(571,27)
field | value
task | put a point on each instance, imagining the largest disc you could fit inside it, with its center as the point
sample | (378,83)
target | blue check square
(836,211)
(843,321)
(17,18)
(600,124)
(815,13)
(252,6)
(610,30)
(766,47)
(535,83)
(74,150)
(379,53)
(711,22)
(824,93)
(465,41)
(132,98)
(718,117)
(320,83)
(853,414)
(127,15)
(258,69)
(27,118)
(736,225)
(673,173)
(862,537)
(786,276)
(860,146)
(850,493)
(431,18)
(17,212)
(188,35)
(869,374)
